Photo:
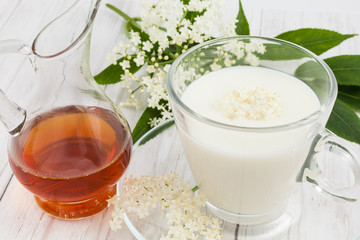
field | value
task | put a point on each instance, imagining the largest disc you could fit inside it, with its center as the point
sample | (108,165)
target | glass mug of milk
(251,114)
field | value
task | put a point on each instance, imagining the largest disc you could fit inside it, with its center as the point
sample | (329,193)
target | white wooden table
(20,218)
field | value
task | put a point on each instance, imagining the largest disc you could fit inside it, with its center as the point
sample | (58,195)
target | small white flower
(214,66)
(163,22)
(260,48)
(153,122)
(228,28)
(135,38)
(166,115)
(125,64)
(150,69)
(147,46)
(255,47)
(139,60)
(182,207)
(167,68)
(252,59)
(197,5)
(228,62)
(111,58)
(118,48)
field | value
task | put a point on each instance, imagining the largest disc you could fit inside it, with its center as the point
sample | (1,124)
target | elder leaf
(143,126)
(346,69)
(350,95)
(344,122)
(112,73)
(314,39)
(276,52)
(242,25)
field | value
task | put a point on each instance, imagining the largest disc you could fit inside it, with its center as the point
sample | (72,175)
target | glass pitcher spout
(61,36)
(62,51)
(67,30)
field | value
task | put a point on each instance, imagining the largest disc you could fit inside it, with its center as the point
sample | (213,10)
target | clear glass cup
(251,178)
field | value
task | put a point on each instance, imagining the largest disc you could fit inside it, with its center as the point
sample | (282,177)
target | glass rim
(302,122)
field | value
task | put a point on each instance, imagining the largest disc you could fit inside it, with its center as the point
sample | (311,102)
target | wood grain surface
(21,219)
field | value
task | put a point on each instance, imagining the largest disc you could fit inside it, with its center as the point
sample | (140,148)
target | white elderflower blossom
(197,5)
(125,64)
(214,66)
(147,46)
(139,60)
(183,208)
(252,59)
(168,29)
(227,28)
(239,50)
(150,69)
(127,79)
(228,62)
(135,38)
(111,57)
(250,104)
(167,68)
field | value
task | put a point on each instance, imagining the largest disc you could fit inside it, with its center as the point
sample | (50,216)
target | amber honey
(71,158)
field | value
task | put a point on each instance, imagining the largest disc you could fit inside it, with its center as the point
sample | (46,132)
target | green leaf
(242,26)
(186,2)
(133,26)
(346,69)
(276,52)
(314,39)
(156,131)
(191,15)
(112,74)
(143,126)
(344,122)
(350,95)
(315,76)
(311,70)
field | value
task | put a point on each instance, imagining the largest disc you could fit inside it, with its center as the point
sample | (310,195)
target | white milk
(247,172)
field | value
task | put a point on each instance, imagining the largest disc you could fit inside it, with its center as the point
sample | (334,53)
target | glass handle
(11,115)
(331,145)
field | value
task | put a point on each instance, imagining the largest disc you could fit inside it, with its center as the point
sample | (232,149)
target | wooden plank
(20,218)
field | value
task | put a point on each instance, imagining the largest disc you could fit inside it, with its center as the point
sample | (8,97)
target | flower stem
(132,21)
(194,189)
(118,11)
(183,16)
(133,91)
(167,62)
(126,30)
(170,54)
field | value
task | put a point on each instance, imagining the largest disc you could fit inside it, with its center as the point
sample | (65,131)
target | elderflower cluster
(174,197)
(232,53)
(168,28)
(250,104)
(164,21)
(237,50)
